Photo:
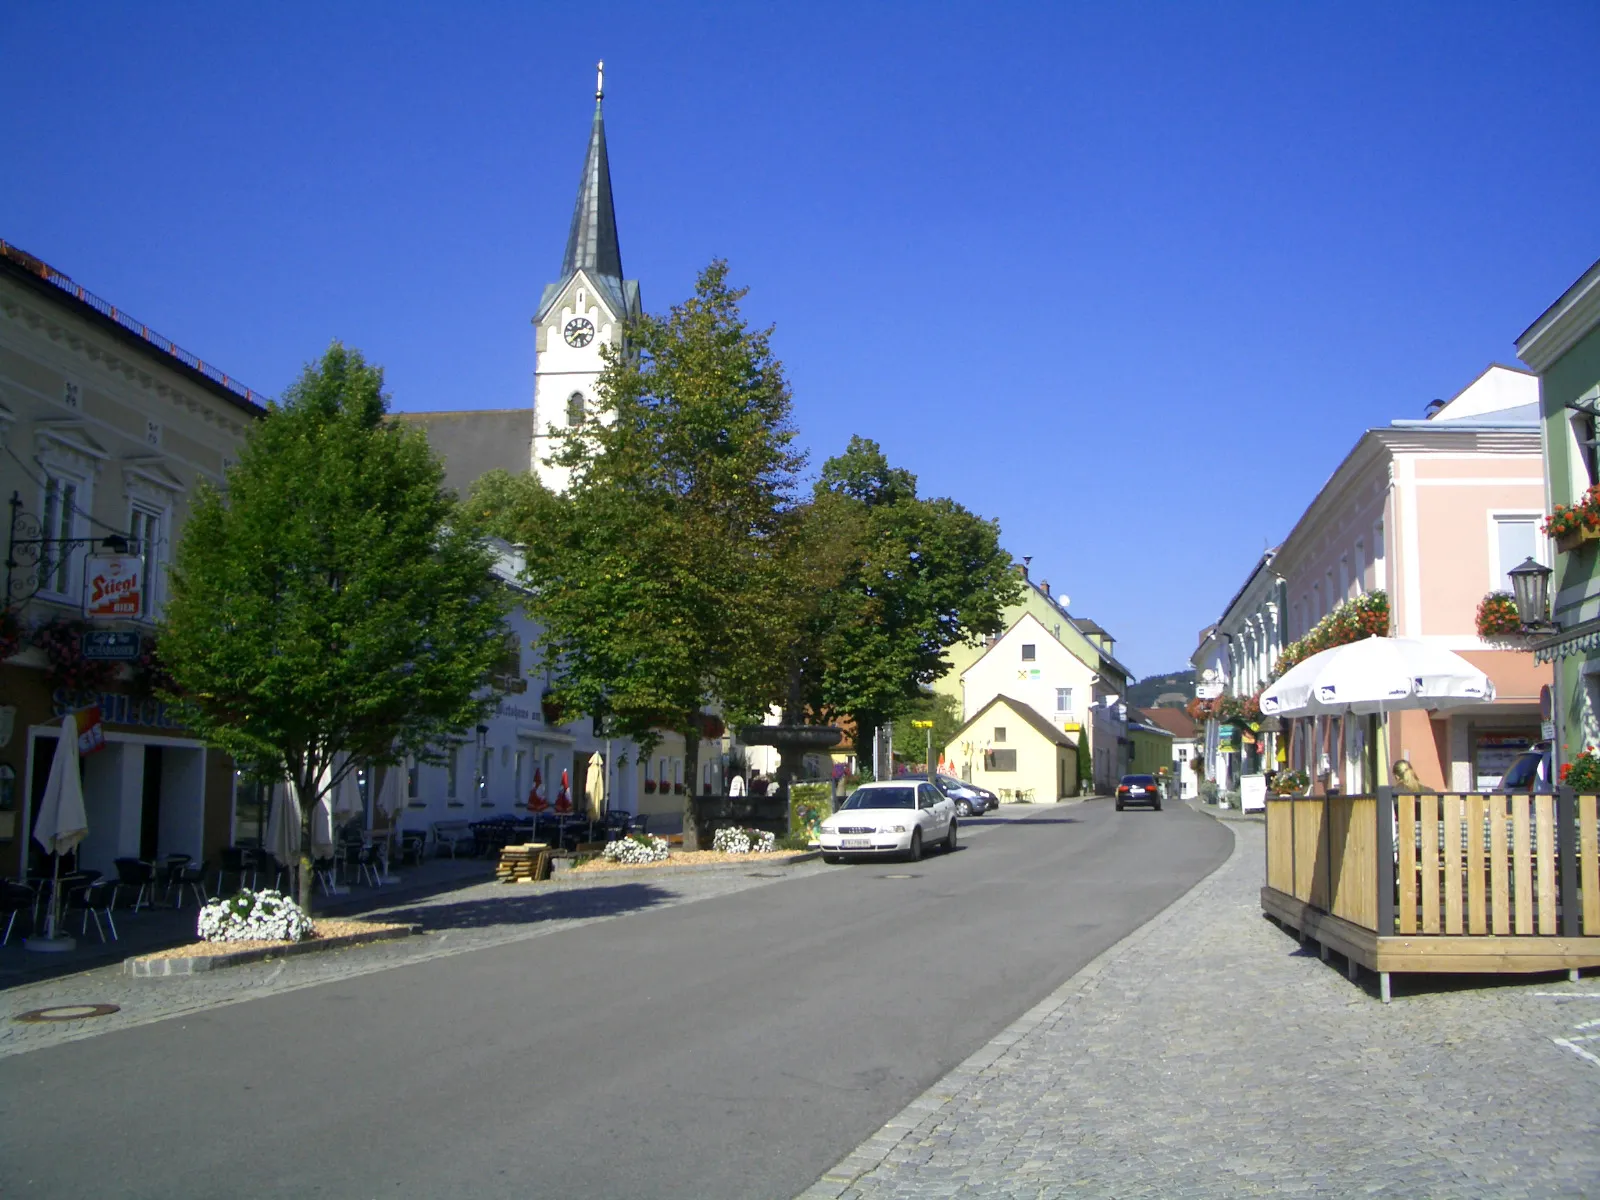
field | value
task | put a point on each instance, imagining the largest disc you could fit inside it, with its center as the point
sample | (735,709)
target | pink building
(1434,512)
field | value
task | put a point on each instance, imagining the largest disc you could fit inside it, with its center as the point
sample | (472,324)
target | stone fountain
(793,740)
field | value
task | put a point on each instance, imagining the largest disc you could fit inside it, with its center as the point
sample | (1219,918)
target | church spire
(592,242)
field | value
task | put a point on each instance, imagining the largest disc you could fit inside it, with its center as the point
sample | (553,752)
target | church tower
(582,311)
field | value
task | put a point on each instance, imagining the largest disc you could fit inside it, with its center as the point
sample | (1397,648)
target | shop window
(251,799)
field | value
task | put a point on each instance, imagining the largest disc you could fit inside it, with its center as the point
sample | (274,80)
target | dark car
(1530,772)
(1138,789)
(970,800)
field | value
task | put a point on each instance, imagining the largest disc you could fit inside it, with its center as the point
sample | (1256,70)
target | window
(58,522)
(999,733)
(1063,700)
(1344,577)
(575,411)
(999,760)
(147,540)
(1583,435)
(522,767)
(1361,567)
(485,760)
(1028,652)
(1379,582)
(1515,542)
(250,798)
(413,778)
(451,759)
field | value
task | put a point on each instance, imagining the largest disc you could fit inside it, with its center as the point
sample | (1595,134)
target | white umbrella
(1377,675)
(595,786)
(392,802)
(61,823)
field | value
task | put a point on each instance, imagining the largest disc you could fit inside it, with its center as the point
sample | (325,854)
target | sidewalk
(1207,1054)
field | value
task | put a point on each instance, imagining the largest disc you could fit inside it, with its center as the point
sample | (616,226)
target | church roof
(592,245)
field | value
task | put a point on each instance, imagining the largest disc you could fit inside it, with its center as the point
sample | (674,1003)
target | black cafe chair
(95,900)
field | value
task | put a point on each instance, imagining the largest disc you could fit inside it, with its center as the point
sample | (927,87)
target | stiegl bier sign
(113,587)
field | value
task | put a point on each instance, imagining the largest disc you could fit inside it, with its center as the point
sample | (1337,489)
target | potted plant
(1497,616)
(649,787)
(1571,525)
(550,707)
(61,639)
(1582,774)
(1290,783)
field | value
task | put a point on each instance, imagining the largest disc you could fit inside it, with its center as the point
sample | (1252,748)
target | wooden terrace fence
(1430,882)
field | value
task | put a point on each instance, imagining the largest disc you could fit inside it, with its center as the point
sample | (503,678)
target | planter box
(1568,542)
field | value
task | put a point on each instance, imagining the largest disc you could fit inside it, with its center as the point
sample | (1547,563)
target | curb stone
(840,1180)
(568,879)
(159,968)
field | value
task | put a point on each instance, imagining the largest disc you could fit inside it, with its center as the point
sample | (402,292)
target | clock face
(579,332)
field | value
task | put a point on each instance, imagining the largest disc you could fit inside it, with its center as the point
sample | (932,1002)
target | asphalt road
(733,1047)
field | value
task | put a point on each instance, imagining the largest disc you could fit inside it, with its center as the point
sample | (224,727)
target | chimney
(1044,586)
(1027,561)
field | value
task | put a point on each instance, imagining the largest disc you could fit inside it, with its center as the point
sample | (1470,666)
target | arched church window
(575,413)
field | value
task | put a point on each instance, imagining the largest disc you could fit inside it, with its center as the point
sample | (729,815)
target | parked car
(1530,771)
(970,801)
(893,817)
(1139,789)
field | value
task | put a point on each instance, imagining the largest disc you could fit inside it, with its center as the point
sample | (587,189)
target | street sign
(1547,730)
(1208,691)
(106,645)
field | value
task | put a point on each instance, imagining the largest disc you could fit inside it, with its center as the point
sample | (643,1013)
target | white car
(899,817)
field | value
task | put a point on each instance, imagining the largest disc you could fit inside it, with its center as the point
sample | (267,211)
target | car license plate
(1137,791)
(855,843)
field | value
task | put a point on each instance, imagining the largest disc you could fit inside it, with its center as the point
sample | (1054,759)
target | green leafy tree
(911,743)
(328,608)
(917,576)
(659,576)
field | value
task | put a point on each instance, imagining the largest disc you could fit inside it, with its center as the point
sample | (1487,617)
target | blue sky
(1130,278)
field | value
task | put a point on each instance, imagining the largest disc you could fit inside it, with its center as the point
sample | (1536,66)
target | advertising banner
(113,587)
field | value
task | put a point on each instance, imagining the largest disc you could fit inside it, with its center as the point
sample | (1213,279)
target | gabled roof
(1028,713)
(1173,720)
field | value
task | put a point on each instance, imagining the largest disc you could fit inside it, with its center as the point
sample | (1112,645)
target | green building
(1563,347)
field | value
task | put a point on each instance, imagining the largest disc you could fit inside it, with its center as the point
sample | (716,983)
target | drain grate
(67,1012)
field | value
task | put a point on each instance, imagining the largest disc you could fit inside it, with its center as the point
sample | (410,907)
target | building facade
(106,430)
(1563,346)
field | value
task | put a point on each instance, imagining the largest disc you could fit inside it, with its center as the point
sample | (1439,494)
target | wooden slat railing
(1458,865)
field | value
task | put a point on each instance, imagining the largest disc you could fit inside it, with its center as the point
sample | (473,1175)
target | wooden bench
(453,835)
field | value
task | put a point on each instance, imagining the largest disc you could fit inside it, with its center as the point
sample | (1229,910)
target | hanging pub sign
(113,587)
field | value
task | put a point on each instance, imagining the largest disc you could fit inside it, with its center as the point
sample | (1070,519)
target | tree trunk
(302,867)
(691,772)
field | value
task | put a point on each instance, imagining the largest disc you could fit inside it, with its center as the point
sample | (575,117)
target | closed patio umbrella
(595,786)
(283,827)
(61,824)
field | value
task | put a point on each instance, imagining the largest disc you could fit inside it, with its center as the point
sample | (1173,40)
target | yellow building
(1010,749)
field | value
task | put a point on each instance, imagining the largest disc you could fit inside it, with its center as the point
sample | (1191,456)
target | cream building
(106,429)
(1009,748)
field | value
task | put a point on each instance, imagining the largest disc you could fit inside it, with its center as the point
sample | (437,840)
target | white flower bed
(744,841)
(264,916)
(636,848)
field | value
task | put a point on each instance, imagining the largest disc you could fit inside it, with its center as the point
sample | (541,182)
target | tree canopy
(916,577)
(327,607)
(658,575)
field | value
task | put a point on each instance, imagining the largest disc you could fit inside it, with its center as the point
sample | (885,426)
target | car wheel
(1158,806)
(963,808)
(1119,805)
(834,859)
(950,839)
(915,853)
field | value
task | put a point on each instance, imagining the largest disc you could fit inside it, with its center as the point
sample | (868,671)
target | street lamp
(1530,584)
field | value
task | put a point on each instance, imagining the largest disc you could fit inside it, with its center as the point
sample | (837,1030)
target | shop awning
(1579,639)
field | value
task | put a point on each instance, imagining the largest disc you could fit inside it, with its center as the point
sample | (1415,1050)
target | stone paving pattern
(455,922)
(1207,1054)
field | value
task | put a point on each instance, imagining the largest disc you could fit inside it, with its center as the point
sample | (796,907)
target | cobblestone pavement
(457,922)
(1207,1054)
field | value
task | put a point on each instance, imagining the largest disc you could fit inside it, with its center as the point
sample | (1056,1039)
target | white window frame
(154,554)
(1380,567)
(1063,693)
(1541,544)
(63,519)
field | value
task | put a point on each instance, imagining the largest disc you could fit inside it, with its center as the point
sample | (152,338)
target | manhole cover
(68,1012)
